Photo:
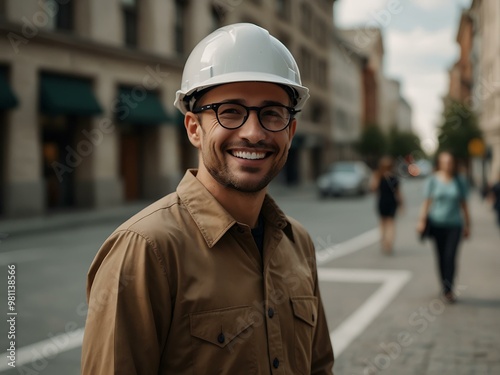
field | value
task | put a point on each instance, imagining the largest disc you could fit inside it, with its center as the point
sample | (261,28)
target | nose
(251,130)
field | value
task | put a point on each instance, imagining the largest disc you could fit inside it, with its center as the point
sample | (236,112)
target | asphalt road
(384,312)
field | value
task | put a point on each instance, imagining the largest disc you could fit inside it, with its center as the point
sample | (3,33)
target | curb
(53,221)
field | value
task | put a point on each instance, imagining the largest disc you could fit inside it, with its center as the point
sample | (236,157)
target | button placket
(276,362)
(270,312)
(274,337)
(221,338)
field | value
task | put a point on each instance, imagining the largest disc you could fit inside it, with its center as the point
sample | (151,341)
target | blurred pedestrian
(494,195)
(387,187)
(214,278)
(446,214)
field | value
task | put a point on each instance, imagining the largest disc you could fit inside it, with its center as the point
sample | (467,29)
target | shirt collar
(212,219)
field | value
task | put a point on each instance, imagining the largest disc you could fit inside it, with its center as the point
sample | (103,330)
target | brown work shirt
(181,288)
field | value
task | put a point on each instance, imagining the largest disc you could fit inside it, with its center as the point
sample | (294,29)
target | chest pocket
(222,340)
(305,311)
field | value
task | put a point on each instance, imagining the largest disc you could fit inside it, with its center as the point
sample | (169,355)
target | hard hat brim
(234,77)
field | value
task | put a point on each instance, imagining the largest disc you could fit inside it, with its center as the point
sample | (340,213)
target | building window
(341,119)
(305,60)
(130,16)
(306,20)
(218,13)
(180,10)
(316,113)
(2,8)
(321,32)
(283,9)
(322,76)
(63,18)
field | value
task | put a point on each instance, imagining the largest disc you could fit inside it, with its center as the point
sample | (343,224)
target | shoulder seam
(151,213)
(153,246)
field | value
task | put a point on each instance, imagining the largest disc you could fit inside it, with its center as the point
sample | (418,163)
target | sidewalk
(69,219)
(82,217)
(419,334)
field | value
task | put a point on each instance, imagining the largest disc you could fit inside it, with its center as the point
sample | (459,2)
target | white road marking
(341,337)
(392,282)
(44,350)
(348,247)
(21,256)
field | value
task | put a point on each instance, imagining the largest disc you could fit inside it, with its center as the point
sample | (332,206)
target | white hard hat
(240,52)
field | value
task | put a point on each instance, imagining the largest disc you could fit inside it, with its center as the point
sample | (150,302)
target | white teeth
(249,155)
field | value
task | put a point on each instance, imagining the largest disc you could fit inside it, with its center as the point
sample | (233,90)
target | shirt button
(221,338)
(276,363)
(270,312)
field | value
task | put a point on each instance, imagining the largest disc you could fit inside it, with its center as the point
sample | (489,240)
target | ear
(193,129)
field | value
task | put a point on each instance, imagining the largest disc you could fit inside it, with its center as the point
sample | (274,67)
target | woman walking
(445,209)
(494,196)
(386,184)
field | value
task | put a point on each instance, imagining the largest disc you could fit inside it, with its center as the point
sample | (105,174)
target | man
(214,278)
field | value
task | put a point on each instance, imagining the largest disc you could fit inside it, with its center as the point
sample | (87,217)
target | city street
(384,312)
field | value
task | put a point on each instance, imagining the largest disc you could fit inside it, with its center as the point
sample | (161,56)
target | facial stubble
(220,171)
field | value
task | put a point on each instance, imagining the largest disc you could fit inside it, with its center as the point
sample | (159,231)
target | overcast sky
(419,43)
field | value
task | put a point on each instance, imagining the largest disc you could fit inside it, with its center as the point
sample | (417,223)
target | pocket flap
(221,326)
(306,309)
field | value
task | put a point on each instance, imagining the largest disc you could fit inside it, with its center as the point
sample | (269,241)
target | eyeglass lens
(233,115)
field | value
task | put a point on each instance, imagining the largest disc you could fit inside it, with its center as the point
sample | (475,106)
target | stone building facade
(372,98)
(485,88)
(87,86)
(348,97)
(404,116)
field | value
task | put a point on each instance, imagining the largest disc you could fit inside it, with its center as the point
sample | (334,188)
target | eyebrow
(263,103)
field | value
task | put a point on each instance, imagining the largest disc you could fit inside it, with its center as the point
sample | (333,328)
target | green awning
(141,107)
(63,95)
(7,98)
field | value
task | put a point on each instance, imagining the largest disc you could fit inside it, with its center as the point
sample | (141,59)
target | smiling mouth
(259,155)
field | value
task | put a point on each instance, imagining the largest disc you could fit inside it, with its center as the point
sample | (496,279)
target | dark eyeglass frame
(215,107)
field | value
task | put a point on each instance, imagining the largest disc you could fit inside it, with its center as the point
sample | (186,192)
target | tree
(459,127)
(372,144)
(403,143)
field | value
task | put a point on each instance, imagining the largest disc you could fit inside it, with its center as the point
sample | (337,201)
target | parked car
(344,178)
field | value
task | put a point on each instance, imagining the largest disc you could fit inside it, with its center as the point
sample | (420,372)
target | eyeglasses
(274,118)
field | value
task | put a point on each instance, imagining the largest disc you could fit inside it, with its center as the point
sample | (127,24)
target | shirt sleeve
(428,187)
(322,352)
(464,186)
(129,308)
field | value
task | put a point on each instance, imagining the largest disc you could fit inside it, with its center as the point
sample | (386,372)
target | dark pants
(447,240)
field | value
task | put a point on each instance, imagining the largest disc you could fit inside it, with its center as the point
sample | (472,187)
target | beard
(221,172)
